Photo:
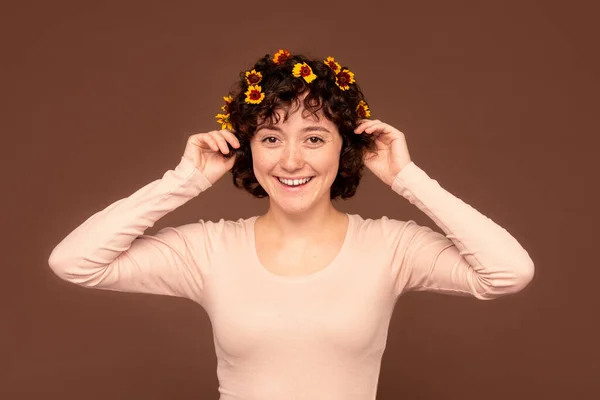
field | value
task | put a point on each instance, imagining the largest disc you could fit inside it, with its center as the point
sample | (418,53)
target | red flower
(253,77)
(362,109)
(303,70)
(281,56)
(254,95)
(344,78)
(332,64)
(228,101)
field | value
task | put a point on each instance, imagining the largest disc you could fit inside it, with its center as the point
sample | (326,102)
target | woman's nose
(292,157)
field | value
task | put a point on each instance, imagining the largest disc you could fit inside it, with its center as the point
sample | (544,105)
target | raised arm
(476,257)
(110,251)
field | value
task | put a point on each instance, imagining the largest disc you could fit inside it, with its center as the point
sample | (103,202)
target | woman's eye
(273,140)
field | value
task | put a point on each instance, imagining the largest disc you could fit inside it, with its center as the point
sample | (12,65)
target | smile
(294,182)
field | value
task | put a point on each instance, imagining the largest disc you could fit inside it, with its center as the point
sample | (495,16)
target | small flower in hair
(362,109)
(344,78)
(228,100)
(224,120)
(281,56)
(253,77)
(254,94)
(331,63)
(303,70)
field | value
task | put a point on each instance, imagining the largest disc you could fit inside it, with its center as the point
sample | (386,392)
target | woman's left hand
(391,154)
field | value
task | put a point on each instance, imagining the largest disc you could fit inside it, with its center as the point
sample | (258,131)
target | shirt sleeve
(110,251)
(476,257)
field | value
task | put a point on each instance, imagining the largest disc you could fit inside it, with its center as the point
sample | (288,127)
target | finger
(231,138)
(210,141)
(366,124)
(361,126)
(380,127)
(361,122)
(369,128)
(220,141)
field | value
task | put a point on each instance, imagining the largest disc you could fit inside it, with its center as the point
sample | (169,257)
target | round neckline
(298,278)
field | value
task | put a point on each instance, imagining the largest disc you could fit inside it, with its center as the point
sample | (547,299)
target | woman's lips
(296,187)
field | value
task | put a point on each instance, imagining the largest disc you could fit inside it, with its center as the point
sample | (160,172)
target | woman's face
(288,153)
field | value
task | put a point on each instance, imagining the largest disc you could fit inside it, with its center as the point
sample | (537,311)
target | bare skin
(302,232)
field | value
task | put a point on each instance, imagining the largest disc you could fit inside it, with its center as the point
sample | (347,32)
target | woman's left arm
(477,256)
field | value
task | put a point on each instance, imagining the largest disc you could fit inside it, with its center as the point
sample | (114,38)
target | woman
(301,297)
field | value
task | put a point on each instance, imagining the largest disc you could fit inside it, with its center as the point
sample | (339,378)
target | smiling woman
(296,159)
(323,97)
(300,298)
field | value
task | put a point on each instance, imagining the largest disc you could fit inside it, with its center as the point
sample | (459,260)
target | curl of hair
(282,91)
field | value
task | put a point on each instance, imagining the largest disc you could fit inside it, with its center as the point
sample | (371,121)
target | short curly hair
(281,89)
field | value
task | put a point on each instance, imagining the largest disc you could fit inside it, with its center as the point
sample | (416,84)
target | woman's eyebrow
(269,126)
(309,128)
(315,128)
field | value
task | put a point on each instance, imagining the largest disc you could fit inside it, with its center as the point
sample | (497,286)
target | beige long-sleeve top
(317,336)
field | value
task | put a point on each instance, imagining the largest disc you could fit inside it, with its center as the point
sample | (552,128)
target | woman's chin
(292,206)
(294,209)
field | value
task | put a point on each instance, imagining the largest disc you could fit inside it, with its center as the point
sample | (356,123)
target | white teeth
(294,182)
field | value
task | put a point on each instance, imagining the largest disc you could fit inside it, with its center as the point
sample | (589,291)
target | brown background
(498,101)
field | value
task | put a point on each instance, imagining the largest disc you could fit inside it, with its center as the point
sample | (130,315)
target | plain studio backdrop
(498,101)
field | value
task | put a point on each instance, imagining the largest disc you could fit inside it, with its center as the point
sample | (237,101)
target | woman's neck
(303,226)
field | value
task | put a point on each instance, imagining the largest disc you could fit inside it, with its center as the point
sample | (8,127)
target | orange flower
(254,94)
(331,63)
(344,78)
(228,100)
(224,120)
(253,77)
(362,109)
(303,70)
(281,56)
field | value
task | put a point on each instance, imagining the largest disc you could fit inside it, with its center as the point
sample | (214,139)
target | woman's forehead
(283,115)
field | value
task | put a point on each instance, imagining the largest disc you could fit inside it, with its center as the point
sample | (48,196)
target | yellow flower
(253,77)
(362,109)
(254,94)
(303,70)
(281,56)
(344,78)
(228,100)
(331,63)
(224,120)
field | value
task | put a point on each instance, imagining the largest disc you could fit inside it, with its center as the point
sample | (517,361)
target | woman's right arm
(110,251)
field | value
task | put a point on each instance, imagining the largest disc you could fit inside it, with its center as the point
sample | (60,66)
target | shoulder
(386,230)
(214,233)
(382,224)
(225,227)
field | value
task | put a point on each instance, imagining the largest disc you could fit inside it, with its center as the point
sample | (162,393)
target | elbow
(514,280)
(58,265)
(76,270)
(523,276)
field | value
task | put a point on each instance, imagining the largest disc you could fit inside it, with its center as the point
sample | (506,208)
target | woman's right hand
(207,152)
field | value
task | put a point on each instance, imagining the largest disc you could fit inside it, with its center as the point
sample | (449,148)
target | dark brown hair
(282,89)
